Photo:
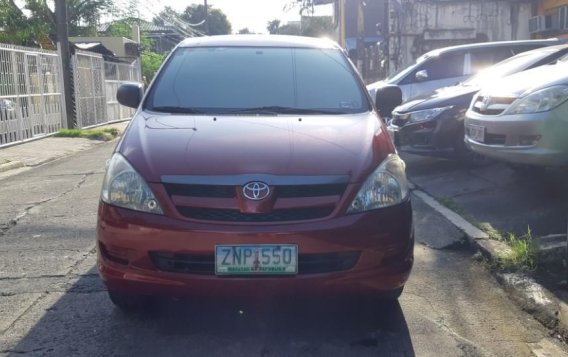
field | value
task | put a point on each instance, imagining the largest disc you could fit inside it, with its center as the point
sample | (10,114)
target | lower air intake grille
(205,264)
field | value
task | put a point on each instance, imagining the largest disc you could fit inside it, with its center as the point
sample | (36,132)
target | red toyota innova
(255,166)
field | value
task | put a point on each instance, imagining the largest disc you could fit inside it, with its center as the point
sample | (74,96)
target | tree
(82,15)
(151,62)
(218,24)
(273,26)
(244,31)
(16,28)
(317,26)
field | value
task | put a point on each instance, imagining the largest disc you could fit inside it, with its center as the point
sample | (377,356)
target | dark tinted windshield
(257,79)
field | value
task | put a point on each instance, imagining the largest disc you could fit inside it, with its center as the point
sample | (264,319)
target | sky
(252,14)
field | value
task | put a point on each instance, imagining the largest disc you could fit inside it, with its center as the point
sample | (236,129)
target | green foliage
(218,24)
(38,24)
(94,134)
(524,253)
(244,31)
(311,26)
(121,28)
(151,62)
(193,19)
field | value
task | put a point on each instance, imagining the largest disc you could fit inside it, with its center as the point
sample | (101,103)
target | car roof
(259,41)
(440,51)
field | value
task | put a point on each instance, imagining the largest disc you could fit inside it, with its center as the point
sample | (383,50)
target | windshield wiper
(274,109)
(176,110)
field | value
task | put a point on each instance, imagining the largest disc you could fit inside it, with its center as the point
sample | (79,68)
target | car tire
(132,302)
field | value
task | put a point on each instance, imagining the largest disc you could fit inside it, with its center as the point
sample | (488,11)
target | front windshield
(218,80)
(509,66)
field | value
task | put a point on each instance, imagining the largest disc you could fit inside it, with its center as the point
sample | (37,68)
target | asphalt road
(52,302)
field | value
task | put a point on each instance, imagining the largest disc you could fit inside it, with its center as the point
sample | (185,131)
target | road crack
(6,227)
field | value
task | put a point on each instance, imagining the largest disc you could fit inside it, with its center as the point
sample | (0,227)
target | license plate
(476,132)
(264,259)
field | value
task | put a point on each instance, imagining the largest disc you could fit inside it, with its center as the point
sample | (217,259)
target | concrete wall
(417,27)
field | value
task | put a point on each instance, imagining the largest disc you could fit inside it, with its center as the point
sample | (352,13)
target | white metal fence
(96,83)
(30,93)
(115,75)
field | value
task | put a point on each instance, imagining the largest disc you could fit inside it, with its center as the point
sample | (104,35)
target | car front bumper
(510,137)
(383,240)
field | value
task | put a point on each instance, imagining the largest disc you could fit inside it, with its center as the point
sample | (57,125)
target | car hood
(449,96)
(520,84)
(171,145)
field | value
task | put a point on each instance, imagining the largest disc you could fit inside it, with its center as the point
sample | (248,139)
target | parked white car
(523,118)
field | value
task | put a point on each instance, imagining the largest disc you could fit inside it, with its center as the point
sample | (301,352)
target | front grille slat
(205,264)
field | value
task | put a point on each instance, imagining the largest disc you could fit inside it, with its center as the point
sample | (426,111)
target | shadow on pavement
(83,321)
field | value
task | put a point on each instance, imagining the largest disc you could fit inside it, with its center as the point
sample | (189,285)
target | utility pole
(206,19)
(63,44)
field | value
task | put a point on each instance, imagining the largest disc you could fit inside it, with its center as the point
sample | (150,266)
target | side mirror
(387,98)
(130,94)
(421,75)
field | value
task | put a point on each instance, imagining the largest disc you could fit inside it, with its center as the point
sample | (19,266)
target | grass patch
(524,256)
(525,253)
(93,134)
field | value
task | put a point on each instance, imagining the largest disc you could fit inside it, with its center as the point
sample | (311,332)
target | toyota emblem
(256,191)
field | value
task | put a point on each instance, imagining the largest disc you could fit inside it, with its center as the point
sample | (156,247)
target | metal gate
(115,75)
(30,93)
(96,83)
(90,98)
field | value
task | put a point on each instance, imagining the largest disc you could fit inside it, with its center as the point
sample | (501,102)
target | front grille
(308,190)
(213,191)
(230,215)
(205,264)
(491,105)
(216,191)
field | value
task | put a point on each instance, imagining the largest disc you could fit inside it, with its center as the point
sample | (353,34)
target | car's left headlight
(124,187)
(386,186)
(425,115)
(540,101)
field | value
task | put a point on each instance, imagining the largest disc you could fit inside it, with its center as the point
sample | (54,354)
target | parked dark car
(433,125)
(255,166)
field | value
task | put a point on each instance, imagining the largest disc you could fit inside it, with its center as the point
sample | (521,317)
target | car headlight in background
(425,115)
(539,101)
(386,186)
(124,187)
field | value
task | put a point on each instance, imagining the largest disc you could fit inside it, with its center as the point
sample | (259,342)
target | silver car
(522,119)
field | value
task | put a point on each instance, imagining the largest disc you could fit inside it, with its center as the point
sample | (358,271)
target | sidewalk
(14,159)
(494,197)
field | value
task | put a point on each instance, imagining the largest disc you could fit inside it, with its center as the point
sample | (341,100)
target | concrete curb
(7,166)
(533,298)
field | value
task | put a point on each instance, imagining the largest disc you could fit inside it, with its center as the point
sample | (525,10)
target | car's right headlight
(386,186)
(540,101)
(124,187)
(427,114)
